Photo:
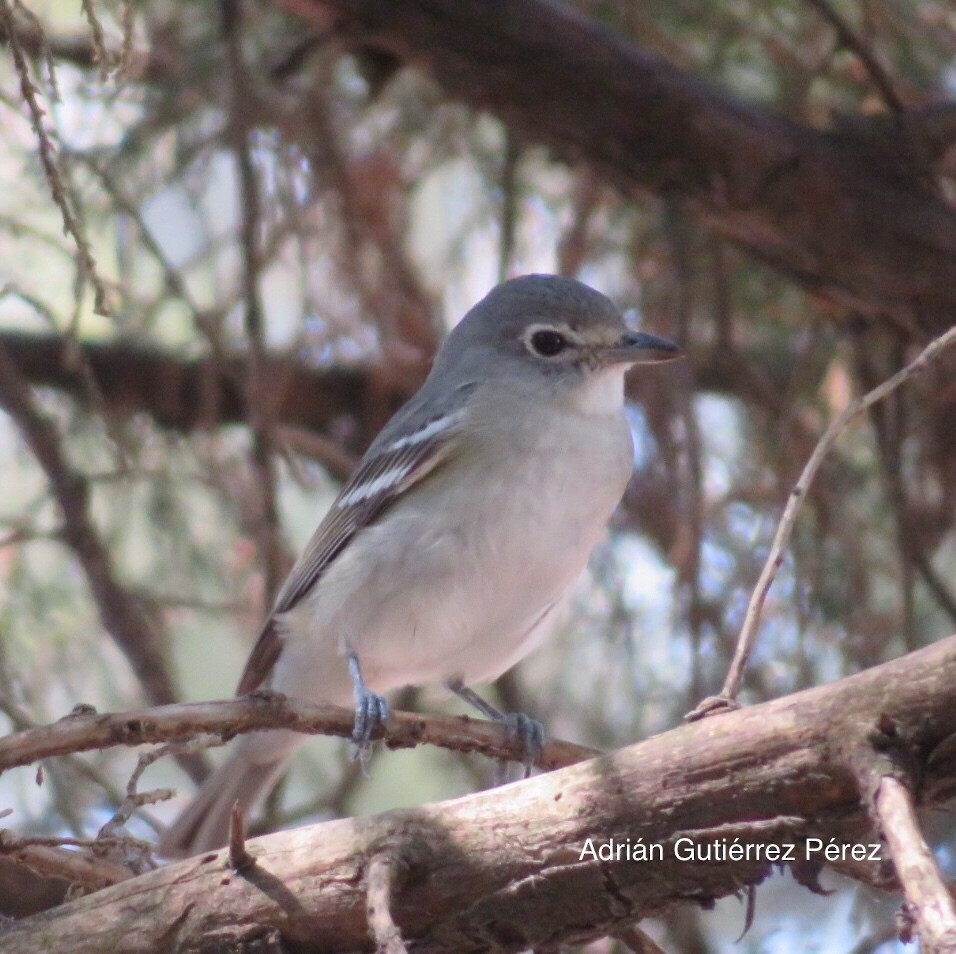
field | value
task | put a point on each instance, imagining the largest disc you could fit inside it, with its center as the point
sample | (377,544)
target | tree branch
(136,630)
(230,717)
(927,897)
(128,621)
(258,386)
(185,394)
(748,632)
(156,65)
(851,215)
(510,868)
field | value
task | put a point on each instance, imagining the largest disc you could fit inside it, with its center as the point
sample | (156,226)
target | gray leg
(518,725)
(371,711)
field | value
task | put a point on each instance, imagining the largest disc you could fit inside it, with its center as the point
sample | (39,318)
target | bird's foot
(371,711)
(530,733)
(519,727)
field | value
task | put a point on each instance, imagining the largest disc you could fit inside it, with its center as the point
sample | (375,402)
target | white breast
(452,583)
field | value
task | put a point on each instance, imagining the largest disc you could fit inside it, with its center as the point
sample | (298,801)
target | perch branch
(231,717)
(510,867)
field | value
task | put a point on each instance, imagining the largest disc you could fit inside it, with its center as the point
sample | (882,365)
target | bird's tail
(246,777)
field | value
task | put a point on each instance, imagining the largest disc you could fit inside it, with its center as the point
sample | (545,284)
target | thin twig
(508,220)
(130,851)
(43,47)
(258,406)
(928,900)
(130,621)
(848,38)
(380,888)
(100,57)
(774,560)
(232,717)
(12,843)
(47,152)
(239,858)
(127,23)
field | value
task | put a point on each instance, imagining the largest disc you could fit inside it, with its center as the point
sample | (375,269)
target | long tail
(246,777)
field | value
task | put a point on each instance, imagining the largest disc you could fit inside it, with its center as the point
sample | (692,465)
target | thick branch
(184,394)
(508,869)
(851,215)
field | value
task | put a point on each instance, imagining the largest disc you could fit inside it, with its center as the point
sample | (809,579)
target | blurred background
(277,230)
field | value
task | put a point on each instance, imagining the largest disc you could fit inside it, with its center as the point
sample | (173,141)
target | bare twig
(11,843)
(54,861)
(100,57)
(508,220)
(134,798)
(380,888)
(239,857)
(260,416)
(231,717)
(43,46)
(928,900)
(127,23)
(47,152)
(849,38)
(136,630)
(748,632)
(305,443)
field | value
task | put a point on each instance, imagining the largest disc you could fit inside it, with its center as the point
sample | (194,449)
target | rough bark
(853,215)
(504,870)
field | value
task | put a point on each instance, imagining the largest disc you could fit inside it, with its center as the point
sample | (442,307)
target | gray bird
(470,516)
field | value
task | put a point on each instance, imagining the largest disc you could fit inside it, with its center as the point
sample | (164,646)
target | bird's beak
(635,347)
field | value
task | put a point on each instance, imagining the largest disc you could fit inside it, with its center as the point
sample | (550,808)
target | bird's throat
(602,392)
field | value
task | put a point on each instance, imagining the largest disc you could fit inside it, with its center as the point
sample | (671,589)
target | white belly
(458,581)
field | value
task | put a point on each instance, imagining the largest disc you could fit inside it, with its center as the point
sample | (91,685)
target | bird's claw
(530,733)
(371,711)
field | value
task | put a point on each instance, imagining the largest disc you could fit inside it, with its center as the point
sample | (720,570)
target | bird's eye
(548,343)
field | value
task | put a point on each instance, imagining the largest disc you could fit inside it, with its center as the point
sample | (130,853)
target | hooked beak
(638,348)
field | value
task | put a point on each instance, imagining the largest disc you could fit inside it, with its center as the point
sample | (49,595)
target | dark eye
(548,343)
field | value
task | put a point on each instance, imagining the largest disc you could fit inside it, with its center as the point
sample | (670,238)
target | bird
(446,553)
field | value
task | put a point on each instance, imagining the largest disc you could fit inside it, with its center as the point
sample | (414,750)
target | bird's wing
(387,471)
